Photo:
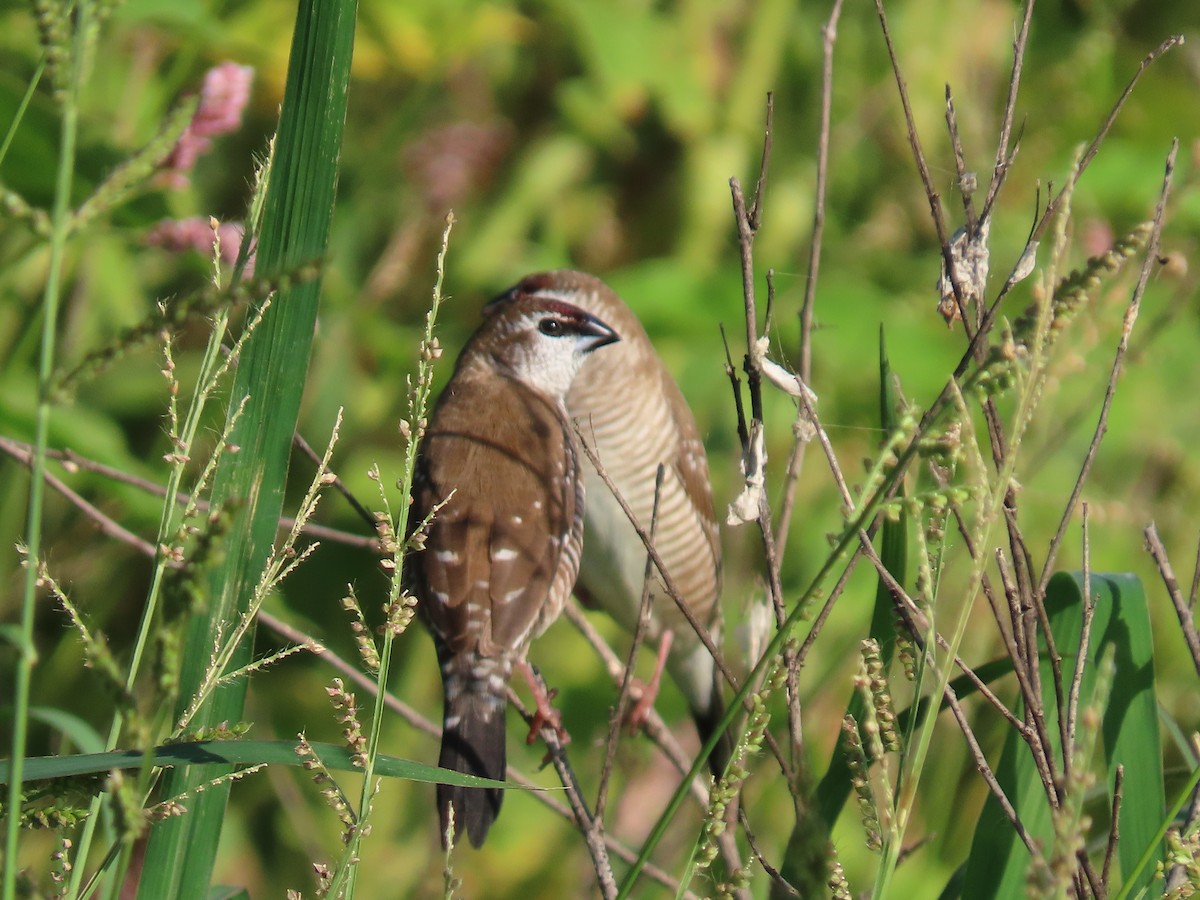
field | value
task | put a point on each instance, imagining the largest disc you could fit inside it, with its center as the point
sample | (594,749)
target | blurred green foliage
(603,136)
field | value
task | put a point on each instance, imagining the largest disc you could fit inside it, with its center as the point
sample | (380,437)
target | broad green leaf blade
(1154,850)
(1131,732)
(75,728)
(999,863)
(225,754)
(271,373)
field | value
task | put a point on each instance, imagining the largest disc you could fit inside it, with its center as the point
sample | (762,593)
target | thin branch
(1089,611)
(654,726)
(1003,154)
(777,880)
(1195,580)
(1114,826)
(108,526)
(791,478)
(966,180)
(621,708)
(755,217)
(989,777)
(590,826)
(1131,314)
(667,580)
(918,624)
(931,192)
(368,517)
(1094,147)
(1183,610)
(72,461)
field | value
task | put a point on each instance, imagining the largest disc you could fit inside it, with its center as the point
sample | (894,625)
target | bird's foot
(645,693)
(544,713)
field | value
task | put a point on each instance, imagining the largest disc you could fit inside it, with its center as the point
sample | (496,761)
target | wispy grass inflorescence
(352,733)
(860,780)
(18,209)
(60,866)
(206,302)
(334,797)
(873,683)
(176,807)
(54,30)
(839,886)
(367,651)
(399,606)
(1080,286)
(281,562)
(136,171)
(1181,868)
(883,466)
(450,883)
(725,791)
(97,654)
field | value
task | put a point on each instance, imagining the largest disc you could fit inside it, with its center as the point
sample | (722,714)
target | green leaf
(224,754)
(71,726)
(999,863)
(271,373)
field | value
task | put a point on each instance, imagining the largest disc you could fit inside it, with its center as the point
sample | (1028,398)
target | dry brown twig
(621,708)
(791,479)
(1183,609)
(590,825)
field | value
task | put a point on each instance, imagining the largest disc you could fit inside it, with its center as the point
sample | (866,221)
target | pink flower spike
(222,100)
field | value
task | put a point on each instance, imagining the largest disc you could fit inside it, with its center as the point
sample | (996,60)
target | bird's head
(539,338)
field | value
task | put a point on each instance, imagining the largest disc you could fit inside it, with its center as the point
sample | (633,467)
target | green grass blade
(1154,849)
(1131,732)
(220,755)
(271,372)
(998,862)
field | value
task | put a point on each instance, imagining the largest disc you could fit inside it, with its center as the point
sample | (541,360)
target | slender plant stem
(419,405)
(26,652)
(21,107)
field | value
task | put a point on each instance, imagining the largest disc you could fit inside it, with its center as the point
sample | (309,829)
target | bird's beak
(594,334)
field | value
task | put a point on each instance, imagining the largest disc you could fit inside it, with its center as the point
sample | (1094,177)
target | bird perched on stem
(498,471)
(633,415)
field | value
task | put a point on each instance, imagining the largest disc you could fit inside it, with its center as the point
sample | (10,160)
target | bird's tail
(473,742)
(707,721)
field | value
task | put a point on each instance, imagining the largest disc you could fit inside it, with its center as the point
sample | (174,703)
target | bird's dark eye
(551,327)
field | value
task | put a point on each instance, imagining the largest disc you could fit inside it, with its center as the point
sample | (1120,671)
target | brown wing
(690,466)
(507,538)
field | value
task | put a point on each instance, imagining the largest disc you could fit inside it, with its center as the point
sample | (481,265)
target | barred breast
(631,412)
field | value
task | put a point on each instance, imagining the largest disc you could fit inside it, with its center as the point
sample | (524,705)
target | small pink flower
(198,233)
(222,100)
(224,96)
